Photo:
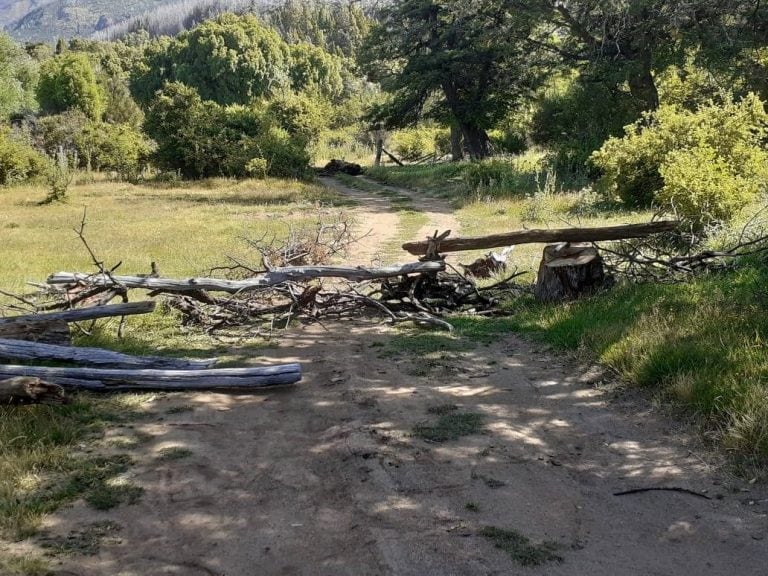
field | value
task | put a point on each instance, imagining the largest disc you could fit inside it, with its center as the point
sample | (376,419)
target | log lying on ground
(546,236)
(22,350)
(52,327)
(266,280)
(30,390)
(108,380)
(81,314)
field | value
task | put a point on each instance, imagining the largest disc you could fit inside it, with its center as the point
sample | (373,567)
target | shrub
(417,143)
(202,139)
(301,115)
(18,161)
(706,164)
(576,115)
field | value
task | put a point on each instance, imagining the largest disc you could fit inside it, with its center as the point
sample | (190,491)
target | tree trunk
(379,148)
(543,236)
(457,144)
(568,271)
(642,84)
(476,141)
(105,380)
(23,350)
(271,278)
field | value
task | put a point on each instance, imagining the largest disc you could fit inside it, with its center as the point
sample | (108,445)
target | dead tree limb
(113,380)
(266,280)
(22,350)
(545,237)
(81,314)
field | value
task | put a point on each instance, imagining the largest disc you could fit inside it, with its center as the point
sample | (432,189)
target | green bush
(574,117)
(704,164)
(303,116)
(68,82)
(203,139)
(18,160)
(416,143)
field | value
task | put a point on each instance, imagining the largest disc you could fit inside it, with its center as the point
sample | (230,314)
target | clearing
(411,453)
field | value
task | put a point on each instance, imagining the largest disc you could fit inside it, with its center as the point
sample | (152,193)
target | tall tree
(68,82)
(18,76)
(631,39)
(453,59)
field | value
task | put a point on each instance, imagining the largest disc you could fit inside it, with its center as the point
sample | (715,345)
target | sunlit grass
(185,227)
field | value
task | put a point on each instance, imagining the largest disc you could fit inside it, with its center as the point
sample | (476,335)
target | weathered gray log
(113,380)
(82,314)
(30,390)
(271,278)
(568,271)
(23,350)
(600,234)
(36,331)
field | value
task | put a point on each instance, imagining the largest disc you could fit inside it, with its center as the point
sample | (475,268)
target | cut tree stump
(568,271)
(30,390)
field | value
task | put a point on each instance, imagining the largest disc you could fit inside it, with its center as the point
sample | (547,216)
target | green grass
(702,344)
(43,465)
(520,548)
(185,227)
(173,453)
(450,426)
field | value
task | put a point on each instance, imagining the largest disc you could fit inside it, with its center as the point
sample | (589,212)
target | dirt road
(328,478)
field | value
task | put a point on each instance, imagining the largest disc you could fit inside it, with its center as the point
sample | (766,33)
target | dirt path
(327,478)
(376,214)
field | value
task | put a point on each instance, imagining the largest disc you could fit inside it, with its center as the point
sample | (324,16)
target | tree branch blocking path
(544,236)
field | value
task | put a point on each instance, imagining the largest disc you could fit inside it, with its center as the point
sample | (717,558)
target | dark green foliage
(201,138)
(18,76)
(68,82)
(18,160)
(230,60)
(452,61)
(314,70)
(575,115)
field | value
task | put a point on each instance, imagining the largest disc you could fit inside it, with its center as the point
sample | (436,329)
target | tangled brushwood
(676,257)
(283,280)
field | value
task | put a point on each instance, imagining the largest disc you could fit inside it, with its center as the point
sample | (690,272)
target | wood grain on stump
(568,271)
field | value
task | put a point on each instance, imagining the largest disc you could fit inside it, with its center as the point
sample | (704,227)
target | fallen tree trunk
(113,380)
(266,280)
(81,314)
(545,236)
(23,350)
(30,390)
